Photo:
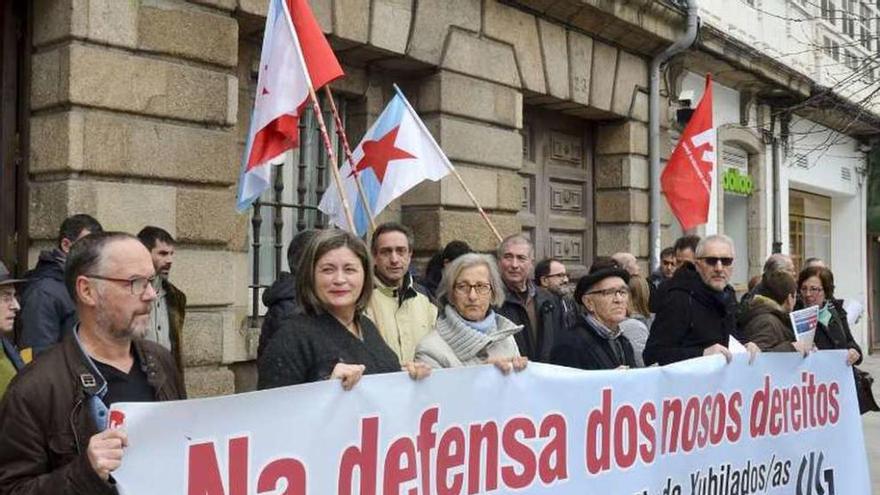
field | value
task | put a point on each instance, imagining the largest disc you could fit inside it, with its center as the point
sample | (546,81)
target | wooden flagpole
(340,132)
(449,164)
(331,156)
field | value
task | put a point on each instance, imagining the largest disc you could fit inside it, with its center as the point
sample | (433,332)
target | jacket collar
(90,380)
(404,292)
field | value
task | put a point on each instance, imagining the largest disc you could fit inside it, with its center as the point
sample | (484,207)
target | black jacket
(46,421)
(280,299)
(766,325)
(308,349)
(47,311)
(580,346)
(836,335)
(692,317)
(549,315)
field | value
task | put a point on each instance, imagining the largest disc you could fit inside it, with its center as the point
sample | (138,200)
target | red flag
(320,60)
(687,178)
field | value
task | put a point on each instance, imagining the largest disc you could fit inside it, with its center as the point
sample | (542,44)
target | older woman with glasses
(596,341)
(332,339)
(816,286)
(469,331)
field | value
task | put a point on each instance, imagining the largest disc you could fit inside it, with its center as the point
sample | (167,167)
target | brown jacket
(46,425)
(767,326)
(176,300)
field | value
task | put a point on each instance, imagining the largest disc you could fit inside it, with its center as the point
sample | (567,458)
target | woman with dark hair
(816,286)
(332,339)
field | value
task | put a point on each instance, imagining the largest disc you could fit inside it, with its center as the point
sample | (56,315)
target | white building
(818,207)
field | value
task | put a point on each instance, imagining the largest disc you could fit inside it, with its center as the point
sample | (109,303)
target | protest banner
(804,322)
(784,424)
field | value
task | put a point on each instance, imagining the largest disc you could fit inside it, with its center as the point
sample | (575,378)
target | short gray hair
(462,263)
(515,239)
(712,239)
(777,262)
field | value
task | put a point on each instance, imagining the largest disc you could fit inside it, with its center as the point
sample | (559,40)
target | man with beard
(169,308)
(47,312)
(552,275)
(699,310)
(54,416)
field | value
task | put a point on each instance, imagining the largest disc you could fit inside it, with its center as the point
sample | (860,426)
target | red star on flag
(377,154)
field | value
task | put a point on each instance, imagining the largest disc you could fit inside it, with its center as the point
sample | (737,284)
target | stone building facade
(136,112)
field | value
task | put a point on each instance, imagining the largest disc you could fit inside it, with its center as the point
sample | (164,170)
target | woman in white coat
(469,331)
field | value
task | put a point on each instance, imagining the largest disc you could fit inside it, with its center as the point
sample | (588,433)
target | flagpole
(449,165)
(331,156)
(340,132)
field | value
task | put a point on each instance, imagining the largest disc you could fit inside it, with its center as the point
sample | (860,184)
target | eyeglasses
(812,290)
(615,291)
(464,289)
(714,260)
(563,275)
(7,298)
(137,285)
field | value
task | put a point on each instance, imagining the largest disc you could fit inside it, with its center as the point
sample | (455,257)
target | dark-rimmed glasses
(464,288)
(614,291)
(137,285)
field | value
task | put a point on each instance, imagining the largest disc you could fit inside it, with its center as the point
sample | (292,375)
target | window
(865,27)
(809,233)
(737,184)
(848,18)
(851,60)
(831,48)
(828,8)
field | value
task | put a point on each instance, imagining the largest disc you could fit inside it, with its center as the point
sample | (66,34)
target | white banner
(785,424)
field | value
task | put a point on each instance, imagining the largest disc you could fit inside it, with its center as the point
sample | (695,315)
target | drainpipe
(777,208)
(679,46)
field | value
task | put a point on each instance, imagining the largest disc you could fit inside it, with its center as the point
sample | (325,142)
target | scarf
(467,341)
(610,335)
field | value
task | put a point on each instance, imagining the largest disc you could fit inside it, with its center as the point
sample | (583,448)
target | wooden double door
(557,191)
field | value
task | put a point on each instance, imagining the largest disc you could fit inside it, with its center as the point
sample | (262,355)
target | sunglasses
(714,260)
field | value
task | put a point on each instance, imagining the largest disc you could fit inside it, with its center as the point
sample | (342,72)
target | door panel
(558,188)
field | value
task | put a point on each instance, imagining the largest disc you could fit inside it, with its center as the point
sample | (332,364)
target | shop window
(737,186)
(809,227)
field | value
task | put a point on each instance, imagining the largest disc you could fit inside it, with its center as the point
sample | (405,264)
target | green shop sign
(734,182)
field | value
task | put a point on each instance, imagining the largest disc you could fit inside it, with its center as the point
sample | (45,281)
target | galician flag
(687,178)
(295,55)
(397,153)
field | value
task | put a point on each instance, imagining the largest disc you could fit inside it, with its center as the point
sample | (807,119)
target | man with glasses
(56,436)
(552,275)
(697,317)
(11,360)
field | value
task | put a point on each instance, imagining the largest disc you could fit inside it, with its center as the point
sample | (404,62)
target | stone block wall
(133,105)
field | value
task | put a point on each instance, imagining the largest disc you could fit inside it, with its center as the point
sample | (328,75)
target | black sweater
(580,346)
(308,349)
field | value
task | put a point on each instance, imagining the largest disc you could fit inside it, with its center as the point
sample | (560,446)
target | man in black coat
(47,311)
(698,313)
(536,309)
(280,298)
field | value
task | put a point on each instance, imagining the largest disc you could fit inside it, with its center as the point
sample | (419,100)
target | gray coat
(452,343)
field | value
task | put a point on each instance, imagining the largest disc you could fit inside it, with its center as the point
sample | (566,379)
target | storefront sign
(785,424)
(735,182)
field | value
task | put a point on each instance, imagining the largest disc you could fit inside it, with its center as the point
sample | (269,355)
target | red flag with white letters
(687,178)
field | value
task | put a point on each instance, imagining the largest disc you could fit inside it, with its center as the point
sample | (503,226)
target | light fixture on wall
(684,112)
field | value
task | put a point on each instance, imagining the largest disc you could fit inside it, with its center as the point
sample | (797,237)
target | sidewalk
(871,423)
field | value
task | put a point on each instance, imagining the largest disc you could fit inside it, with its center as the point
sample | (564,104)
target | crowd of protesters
(98,321)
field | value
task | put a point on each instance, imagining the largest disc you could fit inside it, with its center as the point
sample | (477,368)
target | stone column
(133,111)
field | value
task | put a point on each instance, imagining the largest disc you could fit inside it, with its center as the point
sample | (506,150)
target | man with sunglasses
(56,437)
(698,313)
